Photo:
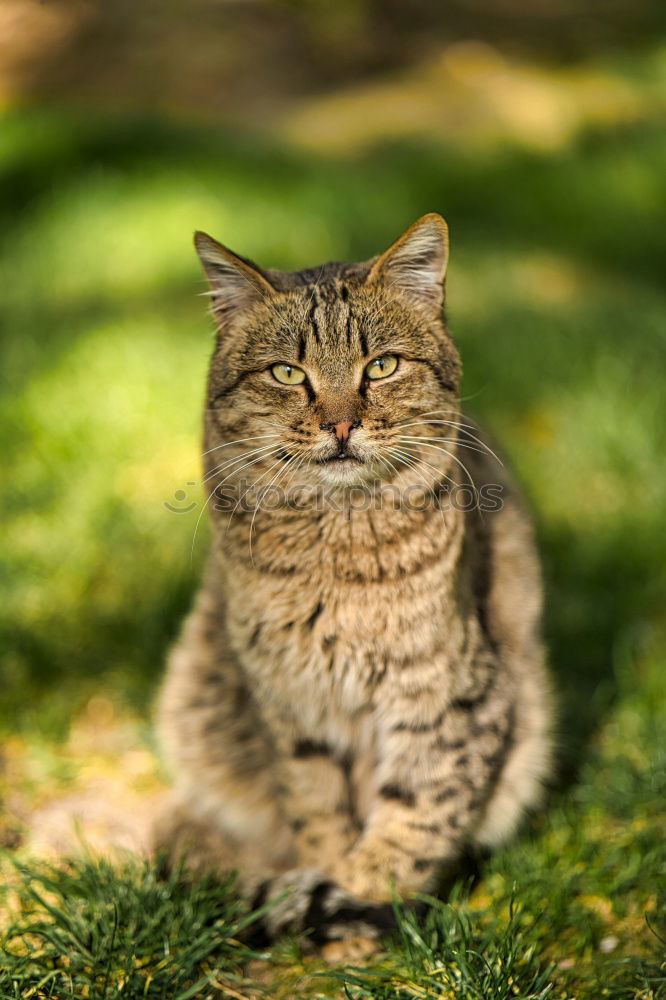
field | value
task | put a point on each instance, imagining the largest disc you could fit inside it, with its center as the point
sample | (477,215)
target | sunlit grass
(95,930)
(470,92)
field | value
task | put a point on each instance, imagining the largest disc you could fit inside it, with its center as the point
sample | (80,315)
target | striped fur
(358,696)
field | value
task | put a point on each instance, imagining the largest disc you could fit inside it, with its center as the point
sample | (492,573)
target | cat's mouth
(340,458)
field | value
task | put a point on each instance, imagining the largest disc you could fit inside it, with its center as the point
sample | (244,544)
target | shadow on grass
(601,596)
(53,670)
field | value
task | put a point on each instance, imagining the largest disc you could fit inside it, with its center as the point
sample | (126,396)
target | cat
(359,693)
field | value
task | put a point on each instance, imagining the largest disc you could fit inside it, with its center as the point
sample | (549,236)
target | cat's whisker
(441,409)
(316,285)
(227,444)
(263,493)
(445,451)
(274,449)
(434,419)
(434,413)
(256,451)
(292,465)
(474,395)
(404,450)
(384,465)
(411,461)
(254,461)
(440,475)
(299,465)
(250,487)
(294,462)
(407,463)
(444,440)
(453,419)
(234,461)
(389,465)
(450,411)
(425,442)
(286,486)
(422,461)
(201,513)
(400,460)
(472,485)
(461,444)
(463,428)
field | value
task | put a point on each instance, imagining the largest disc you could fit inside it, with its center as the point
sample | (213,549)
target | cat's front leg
(435,777)
(398,851)
(317,802)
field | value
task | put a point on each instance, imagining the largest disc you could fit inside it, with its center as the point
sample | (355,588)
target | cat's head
(329,369)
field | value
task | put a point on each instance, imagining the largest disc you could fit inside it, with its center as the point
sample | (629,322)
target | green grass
(556,302)
(93,930)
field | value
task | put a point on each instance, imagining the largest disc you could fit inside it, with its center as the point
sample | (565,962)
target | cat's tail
(305,900)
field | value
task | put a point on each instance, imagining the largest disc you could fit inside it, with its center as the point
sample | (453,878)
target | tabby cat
(359,694)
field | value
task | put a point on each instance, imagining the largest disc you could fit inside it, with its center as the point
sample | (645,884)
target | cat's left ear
(416,263)
(236,283)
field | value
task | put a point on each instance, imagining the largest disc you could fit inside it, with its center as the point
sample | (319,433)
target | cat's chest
(314,633)
(323,629)
(322,651)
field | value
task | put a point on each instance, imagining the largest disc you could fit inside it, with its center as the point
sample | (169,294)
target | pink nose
(342,429)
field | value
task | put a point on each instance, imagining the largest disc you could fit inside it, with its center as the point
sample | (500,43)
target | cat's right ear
(235,283)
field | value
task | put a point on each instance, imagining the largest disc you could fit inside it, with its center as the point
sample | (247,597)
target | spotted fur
(358,695)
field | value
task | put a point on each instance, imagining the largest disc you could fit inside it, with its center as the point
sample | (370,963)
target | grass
(556,301)
(93,929)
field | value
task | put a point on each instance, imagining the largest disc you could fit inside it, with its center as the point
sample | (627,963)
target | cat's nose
(341,429)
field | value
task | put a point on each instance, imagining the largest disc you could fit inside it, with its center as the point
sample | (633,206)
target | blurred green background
(297,132)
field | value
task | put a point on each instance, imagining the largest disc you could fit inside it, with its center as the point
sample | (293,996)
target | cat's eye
(288,374)
(381,367)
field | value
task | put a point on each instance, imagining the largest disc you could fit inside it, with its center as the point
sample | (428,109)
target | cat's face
(324,374)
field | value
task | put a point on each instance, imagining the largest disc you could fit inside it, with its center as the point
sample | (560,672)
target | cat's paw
(349,950)
(366,874)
